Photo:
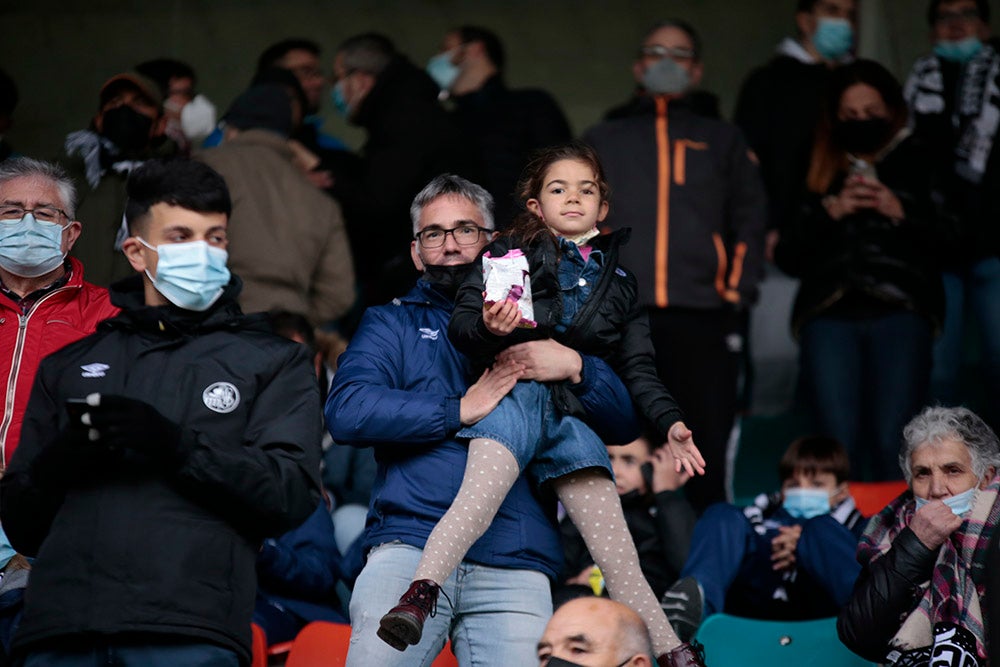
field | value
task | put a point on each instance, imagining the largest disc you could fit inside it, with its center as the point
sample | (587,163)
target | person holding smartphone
(867,248)
(658,515)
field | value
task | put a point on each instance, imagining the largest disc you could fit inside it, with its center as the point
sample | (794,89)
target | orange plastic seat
(445,658)
(320,644)
(259,646)
(871,497)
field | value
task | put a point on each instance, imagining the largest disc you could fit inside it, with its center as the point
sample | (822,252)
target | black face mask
(862,137)
(559,662)
(127,129)
(447,279)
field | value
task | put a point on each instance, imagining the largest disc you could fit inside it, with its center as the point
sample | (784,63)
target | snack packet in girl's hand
(507,278)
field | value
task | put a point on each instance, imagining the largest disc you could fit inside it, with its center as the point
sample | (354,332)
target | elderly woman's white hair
(936,424)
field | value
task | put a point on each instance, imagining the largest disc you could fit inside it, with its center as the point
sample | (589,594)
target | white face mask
(189,275)
(198,118)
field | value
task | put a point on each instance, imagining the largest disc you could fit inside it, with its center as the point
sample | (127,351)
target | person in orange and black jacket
(691,191)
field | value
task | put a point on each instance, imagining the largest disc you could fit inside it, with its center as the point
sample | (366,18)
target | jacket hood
(129,295)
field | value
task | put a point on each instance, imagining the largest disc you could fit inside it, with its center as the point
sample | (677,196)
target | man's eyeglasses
(9,213)
(659,51)
(464,235)
(962,16)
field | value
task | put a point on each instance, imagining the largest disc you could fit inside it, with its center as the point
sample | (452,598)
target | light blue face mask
(665,77)
(30,248)
(6,551)
(190,275)
(961,51)
(806,503)
(960,503)
(442,70)
(338,99)
(833,38)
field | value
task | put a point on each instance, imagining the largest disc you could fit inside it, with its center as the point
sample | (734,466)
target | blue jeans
(976,288)
(150,655)
(862,380)
(495,616)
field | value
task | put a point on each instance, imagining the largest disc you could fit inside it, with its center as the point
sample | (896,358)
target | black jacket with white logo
(165,550)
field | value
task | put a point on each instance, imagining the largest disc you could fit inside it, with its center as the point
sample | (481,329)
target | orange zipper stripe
(738,254)
(662,200)
(720,272)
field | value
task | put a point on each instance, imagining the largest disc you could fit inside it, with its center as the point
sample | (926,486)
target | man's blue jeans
(494,619)
(976,288)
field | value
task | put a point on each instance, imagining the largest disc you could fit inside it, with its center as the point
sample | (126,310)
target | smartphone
(76,407)
(863,168)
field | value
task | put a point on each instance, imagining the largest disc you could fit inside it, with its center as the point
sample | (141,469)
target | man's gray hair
(21,167)
(936,424)
(633,637)
(450,184)
(370,52)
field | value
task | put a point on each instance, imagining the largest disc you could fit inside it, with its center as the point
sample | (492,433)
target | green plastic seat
(731,641)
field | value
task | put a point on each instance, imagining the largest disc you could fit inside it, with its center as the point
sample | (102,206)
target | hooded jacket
(131,548)
(398,389)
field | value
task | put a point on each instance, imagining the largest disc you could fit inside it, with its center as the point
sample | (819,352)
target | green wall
(60,52)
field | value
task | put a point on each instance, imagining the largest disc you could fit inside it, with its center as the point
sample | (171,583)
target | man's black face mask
(127,129)
(447,279)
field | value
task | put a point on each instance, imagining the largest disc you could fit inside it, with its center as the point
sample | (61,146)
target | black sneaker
(684,603)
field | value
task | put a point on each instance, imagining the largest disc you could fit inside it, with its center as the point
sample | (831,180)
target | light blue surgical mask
(960,503)
(190,275)
(833,38)
(665,77)
(961,51)
(806,503)
(30,248)
(442,70)
(6,551)
(338,99)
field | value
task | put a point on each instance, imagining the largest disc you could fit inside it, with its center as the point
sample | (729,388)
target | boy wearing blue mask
(787,556)
(199,433)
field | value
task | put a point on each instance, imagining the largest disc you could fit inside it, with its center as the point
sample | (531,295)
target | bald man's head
(595,632)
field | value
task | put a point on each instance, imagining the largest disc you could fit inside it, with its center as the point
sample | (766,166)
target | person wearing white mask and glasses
(788,556)
(44,301)
(927,594)
(188,428)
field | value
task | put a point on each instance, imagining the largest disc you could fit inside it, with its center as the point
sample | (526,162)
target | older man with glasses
(401,387)
(44,301)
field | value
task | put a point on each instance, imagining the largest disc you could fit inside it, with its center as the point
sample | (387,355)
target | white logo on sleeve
(221,397)
(94,370)
(429,334)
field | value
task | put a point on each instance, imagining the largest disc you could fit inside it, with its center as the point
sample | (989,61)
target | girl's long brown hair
(828,159)
(527,226)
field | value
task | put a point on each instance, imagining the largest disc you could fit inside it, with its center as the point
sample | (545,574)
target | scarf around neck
(948,619)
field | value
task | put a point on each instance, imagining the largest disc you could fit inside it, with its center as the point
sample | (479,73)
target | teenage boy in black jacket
(159,452)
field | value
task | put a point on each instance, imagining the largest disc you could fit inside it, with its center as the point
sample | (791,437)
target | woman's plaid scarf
(956,585)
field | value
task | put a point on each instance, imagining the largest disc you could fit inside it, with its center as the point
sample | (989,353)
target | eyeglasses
(963,16)
(464,235)
(659,51)
(10,212)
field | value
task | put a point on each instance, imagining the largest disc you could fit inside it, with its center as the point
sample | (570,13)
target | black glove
(127,423)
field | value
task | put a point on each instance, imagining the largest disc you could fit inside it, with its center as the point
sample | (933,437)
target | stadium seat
(871,497)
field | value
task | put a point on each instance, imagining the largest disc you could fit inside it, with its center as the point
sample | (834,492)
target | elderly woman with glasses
(925,593)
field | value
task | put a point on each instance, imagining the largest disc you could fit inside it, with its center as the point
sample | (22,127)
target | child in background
(584,300)
(657,514)
(789,556)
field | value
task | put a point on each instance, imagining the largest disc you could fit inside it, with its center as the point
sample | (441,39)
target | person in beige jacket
(287,238)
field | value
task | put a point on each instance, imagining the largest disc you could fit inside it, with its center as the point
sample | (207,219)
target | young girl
(584,300)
